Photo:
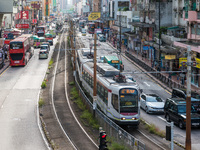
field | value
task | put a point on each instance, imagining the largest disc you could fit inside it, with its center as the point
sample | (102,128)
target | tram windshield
(129,101)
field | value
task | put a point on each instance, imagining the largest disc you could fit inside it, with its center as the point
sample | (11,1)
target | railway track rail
(64,131)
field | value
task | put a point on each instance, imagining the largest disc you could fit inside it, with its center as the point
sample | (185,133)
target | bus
(81,24)
(91,26)
(113,61)
(40,31)
(21,50)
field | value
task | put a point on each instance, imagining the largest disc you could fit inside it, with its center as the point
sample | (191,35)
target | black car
(181,93)
(175,110)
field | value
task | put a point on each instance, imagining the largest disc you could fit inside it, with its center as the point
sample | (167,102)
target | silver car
(152,103)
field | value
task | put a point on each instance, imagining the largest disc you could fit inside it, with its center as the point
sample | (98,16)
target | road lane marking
(4,71)
(147,84)
(161,118)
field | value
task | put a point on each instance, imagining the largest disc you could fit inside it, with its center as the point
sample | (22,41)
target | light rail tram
(117,96)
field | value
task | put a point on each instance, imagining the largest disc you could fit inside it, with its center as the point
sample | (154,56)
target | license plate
(16,62)
(195,124)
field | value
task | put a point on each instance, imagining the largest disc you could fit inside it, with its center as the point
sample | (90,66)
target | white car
(151,103)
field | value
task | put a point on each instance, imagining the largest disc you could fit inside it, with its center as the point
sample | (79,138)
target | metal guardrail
(1,65)
(167,81)
(113,130)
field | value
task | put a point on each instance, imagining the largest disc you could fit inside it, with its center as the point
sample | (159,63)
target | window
(115,102)
(143,97)
(16,45)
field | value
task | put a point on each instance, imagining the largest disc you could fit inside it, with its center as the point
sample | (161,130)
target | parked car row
(174,108)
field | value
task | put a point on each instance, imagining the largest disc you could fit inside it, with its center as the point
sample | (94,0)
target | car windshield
(182,109)
(153,99)
(43,47)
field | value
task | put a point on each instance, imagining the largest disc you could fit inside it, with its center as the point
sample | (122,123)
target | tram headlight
(123,118)
(134,118)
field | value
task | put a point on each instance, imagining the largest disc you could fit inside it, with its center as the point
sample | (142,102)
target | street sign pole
(188,101)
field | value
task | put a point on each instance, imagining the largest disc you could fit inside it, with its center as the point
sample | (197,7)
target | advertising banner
(94,16)
(24,15)
(22,26)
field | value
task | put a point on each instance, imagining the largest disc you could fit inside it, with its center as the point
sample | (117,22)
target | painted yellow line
(4,71)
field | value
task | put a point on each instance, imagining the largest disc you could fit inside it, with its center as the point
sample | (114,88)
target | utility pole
(95,76)
(120,40)
(188,101)
(159,34)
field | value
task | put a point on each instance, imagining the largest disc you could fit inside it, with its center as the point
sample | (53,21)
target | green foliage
(71,83)
(155,130)
(87,115)
(44,84)
(125,9)
(80,104)
(41,102)
(74,93)
(51,62)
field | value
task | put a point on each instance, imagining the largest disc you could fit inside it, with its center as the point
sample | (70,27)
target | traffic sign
(22,25)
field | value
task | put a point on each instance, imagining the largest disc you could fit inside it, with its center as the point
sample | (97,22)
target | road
(20,87)
(149,86)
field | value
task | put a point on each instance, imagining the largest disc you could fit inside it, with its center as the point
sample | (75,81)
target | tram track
(63,107)
(151,141)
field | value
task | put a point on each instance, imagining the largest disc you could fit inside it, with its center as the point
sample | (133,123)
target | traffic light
(103,142)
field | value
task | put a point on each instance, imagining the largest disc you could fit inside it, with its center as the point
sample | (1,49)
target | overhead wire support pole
(188,101)
(95,75)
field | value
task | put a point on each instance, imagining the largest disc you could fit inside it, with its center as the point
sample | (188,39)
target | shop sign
(197,62)
(94,16)
(22,25)
(24,14)
(170,57)
(145,48)
(182,60)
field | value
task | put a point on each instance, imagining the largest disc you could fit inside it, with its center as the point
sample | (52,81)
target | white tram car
(117,96)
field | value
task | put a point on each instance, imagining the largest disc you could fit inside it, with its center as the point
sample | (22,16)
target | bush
(44,84)
(41,102)
(117,146)
(125,9)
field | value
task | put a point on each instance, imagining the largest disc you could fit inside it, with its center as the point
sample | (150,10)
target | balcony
(191,16)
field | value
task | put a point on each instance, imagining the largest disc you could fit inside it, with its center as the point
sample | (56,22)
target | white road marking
(147,84)
(161,118)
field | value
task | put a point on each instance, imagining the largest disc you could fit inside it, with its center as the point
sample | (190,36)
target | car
(101,38)
(151,103)
(181,93)
(44,47)
(43,54)
(175,110)
(50,42)
(46,43)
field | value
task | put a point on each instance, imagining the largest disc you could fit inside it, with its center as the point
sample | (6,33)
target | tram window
(83,75)
(102,92)
(92,82)
(106,97)
(115,102)
(98,89)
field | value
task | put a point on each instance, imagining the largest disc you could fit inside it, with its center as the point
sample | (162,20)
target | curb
(4,68)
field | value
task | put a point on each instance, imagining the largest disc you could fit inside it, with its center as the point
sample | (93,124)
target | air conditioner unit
(197,6)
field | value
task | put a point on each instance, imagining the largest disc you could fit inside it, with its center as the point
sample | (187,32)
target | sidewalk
(3,68)
(162,78)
